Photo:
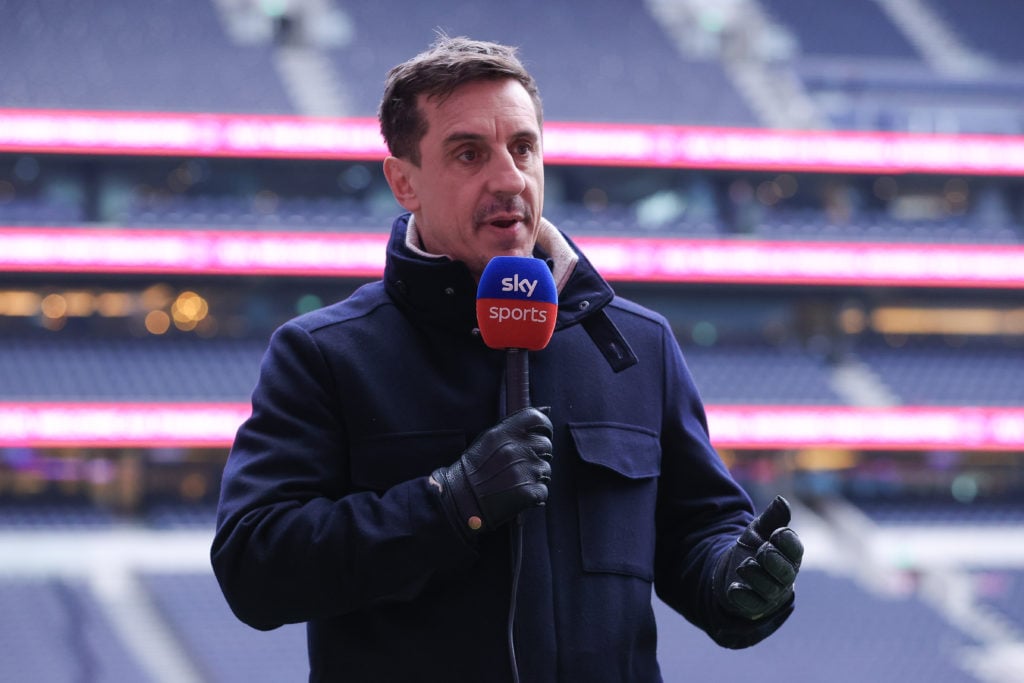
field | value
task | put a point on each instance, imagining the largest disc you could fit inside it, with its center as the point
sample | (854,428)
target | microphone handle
(517,397)
(517,380)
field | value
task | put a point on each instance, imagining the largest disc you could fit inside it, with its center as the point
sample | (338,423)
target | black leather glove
(504,472)
(755,577)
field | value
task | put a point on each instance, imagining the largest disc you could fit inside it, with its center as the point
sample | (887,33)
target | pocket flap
(633,452)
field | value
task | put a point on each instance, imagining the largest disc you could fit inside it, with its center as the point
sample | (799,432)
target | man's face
(479,189)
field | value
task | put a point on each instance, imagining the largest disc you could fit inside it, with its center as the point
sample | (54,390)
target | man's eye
(467,155)
(523,148)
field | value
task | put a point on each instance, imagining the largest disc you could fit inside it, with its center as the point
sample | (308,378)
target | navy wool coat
(326,516)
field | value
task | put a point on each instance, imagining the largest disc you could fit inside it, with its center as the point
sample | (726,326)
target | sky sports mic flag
(516,303)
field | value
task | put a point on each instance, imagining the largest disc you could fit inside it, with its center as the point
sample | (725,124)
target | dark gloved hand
(504,472)
(755,577)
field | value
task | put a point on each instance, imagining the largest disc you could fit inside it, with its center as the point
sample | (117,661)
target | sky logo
(517,284)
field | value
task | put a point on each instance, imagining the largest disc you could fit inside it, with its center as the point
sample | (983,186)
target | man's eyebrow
(526,134)
(459,136)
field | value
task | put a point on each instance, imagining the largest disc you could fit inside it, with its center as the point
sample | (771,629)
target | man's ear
(397,172)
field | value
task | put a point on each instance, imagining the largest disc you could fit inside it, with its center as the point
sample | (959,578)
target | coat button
(450,291)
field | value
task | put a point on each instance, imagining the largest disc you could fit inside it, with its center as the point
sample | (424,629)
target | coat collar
(440,290)
(562,258)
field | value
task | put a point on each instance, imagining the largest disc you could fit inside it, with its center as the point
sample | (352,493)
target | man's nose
(505,176)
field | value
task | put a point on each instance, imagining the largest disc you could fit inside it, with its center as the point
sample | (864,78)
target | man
(378,490)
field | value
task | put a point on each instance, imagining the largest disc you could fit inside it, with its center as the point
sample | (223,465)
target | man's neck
(548,239)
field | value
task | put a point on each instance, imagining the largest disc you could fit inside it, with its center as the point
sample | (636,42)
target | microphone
(516,309)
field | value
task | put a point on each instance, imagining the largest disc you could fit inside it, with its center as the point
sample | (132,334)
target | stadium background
(824,198)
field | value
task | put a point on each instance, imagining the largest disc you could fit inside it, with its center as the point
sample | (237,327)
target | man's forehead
(481,104)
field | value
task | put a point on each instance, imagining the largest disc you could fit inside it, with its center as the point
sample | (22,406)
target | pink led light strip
(190,251)
(867,428)
(56,249)
(214,425)
(149,425)
(212,135)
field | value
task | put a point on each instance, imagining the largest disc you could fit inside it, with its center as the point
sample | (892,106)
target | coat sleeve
(701,511)
(293,543)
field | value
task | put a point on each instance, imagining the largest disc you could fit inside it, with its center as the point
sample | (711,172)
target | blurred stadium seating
(906,638)
(582,75)
(915,569)
(930,372)
(944,66)
(146,369)
(123,55)
(195,608)
(56,630)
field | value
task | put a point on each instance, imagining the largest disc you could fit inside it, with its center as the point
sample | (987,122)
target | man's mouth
(504,221)
(504,213)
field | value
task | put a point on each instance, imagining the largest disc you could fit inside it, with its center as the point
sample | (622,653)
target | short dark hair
(447,64)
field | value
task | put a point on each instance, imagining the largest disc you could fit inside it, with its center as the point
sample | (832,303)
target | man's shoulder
(360,304)
(627,308)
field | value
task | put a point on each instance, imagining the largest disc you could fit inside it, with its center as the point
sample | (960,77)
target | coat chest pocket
(617,495)
(382,461)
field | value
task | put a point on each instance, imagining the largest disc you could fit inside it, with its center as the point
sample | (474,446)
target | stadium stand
(877,78)
(914,97)
(146,369)
(903,512)
(60,514)
(270,210)
(758,374)
(990,26)
(906,639)
(54,630)
(929,371)
(40,212)
(128,56)
(856,28)
(190,369)
(637,76)
(811,224)
(225,650)
(352,214)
